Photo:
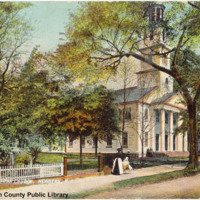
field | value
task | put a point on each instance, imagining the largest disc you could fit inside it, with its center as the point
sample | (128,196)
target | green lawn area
(89,161)
(58,157)
(51,158)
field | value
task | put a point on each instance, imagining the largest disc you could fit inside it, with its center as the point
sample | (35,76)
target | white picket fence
(19,174)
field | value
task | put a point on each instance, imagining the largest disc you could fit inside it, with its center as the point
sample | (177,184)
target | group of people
(119,166)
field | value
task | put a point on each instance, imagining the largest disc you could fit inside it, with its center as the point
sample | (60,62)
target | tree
(22,112)
(188,65)
(90,112)
(33,145)
(14,32)
(100,103)
(106,32)
(5,149)
(125,77)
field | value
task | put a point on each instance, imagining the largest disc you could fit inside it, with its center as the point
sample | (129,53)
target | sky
(48,19)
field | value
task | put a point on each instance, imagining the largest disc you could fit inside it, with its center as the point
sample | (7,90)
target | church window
(71,139)
(125,139)
(109,140)
(153,14)
(166,117)
(157,113)
(157,142)
(166,142)
(166,81)
(151,35)
(174,142)
(146,139)
(164,59)
(161,13)
(163,35)
(175,116)
(146,115)
(128,113)
(158,14)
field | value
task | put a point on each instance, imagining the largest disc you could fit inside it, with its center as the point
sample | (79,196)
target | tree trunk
(193,157)
(124,110)
(142,146)
(123,117)
(81,160)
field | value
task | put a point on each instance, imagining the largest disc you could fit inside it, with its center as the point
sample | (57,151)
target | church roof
(164,97)
(132,94)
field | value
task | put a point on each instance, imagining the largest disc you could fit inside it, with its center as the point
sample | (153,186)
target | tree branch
(193,5)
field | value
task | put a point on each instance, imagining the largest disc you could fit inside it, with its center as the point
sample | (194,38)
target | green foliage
(86,164)
(188,66)
(33,145)
(33,89)
(50,157)
(6,146)
(103,33)
(14,32)
(22,158)
(91,111)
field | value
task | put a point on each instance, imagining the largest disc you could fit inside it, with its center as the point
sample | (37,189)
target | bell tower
(154,49)
(155,33)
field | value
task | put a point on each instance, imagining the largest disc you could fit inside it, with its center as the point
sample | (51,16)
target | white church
(151,106)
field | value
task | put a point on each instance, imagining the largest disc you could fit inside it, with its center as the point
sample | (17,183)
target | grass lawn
(50,158)
(89,161)
(58,157)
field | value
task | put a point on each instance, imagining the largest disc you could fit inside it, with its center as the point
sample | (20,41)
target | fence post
(100,163)
(65,166)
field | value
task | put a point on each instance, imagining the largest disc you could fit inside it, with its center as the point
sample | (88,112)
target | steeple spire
(153,45)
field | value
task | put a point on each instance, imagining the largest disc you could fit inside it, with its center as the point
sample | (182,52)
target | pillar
(162,130)
(152,131)
(171,131)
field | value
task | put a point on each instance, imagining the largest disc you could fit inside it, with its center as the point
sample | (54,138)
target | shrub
(22,159)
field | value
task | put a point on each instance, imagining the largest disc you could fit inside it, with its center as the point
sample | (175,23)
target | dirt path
(80,185)
(187,187)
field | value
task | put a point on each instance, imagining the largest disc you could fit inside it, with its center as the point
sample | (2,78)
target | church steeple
(155,13)
(155,33)
(153,49)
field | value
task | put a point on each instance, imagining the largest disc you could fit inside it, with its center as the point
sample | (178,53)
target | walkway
(70,186)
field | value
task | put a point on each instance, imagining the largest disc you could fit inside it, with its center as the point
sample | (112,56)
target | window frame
(125,139)
(109,139)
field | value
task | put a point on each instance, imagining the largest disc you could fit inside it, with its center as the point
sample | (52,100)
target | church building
(151,107)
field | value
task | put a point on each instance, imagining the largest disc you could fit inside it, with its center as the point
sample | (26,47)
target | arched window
(146,114)
(128,113)
(109,141)
(71,139)
(151,35)
(166,81)
(124,139)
